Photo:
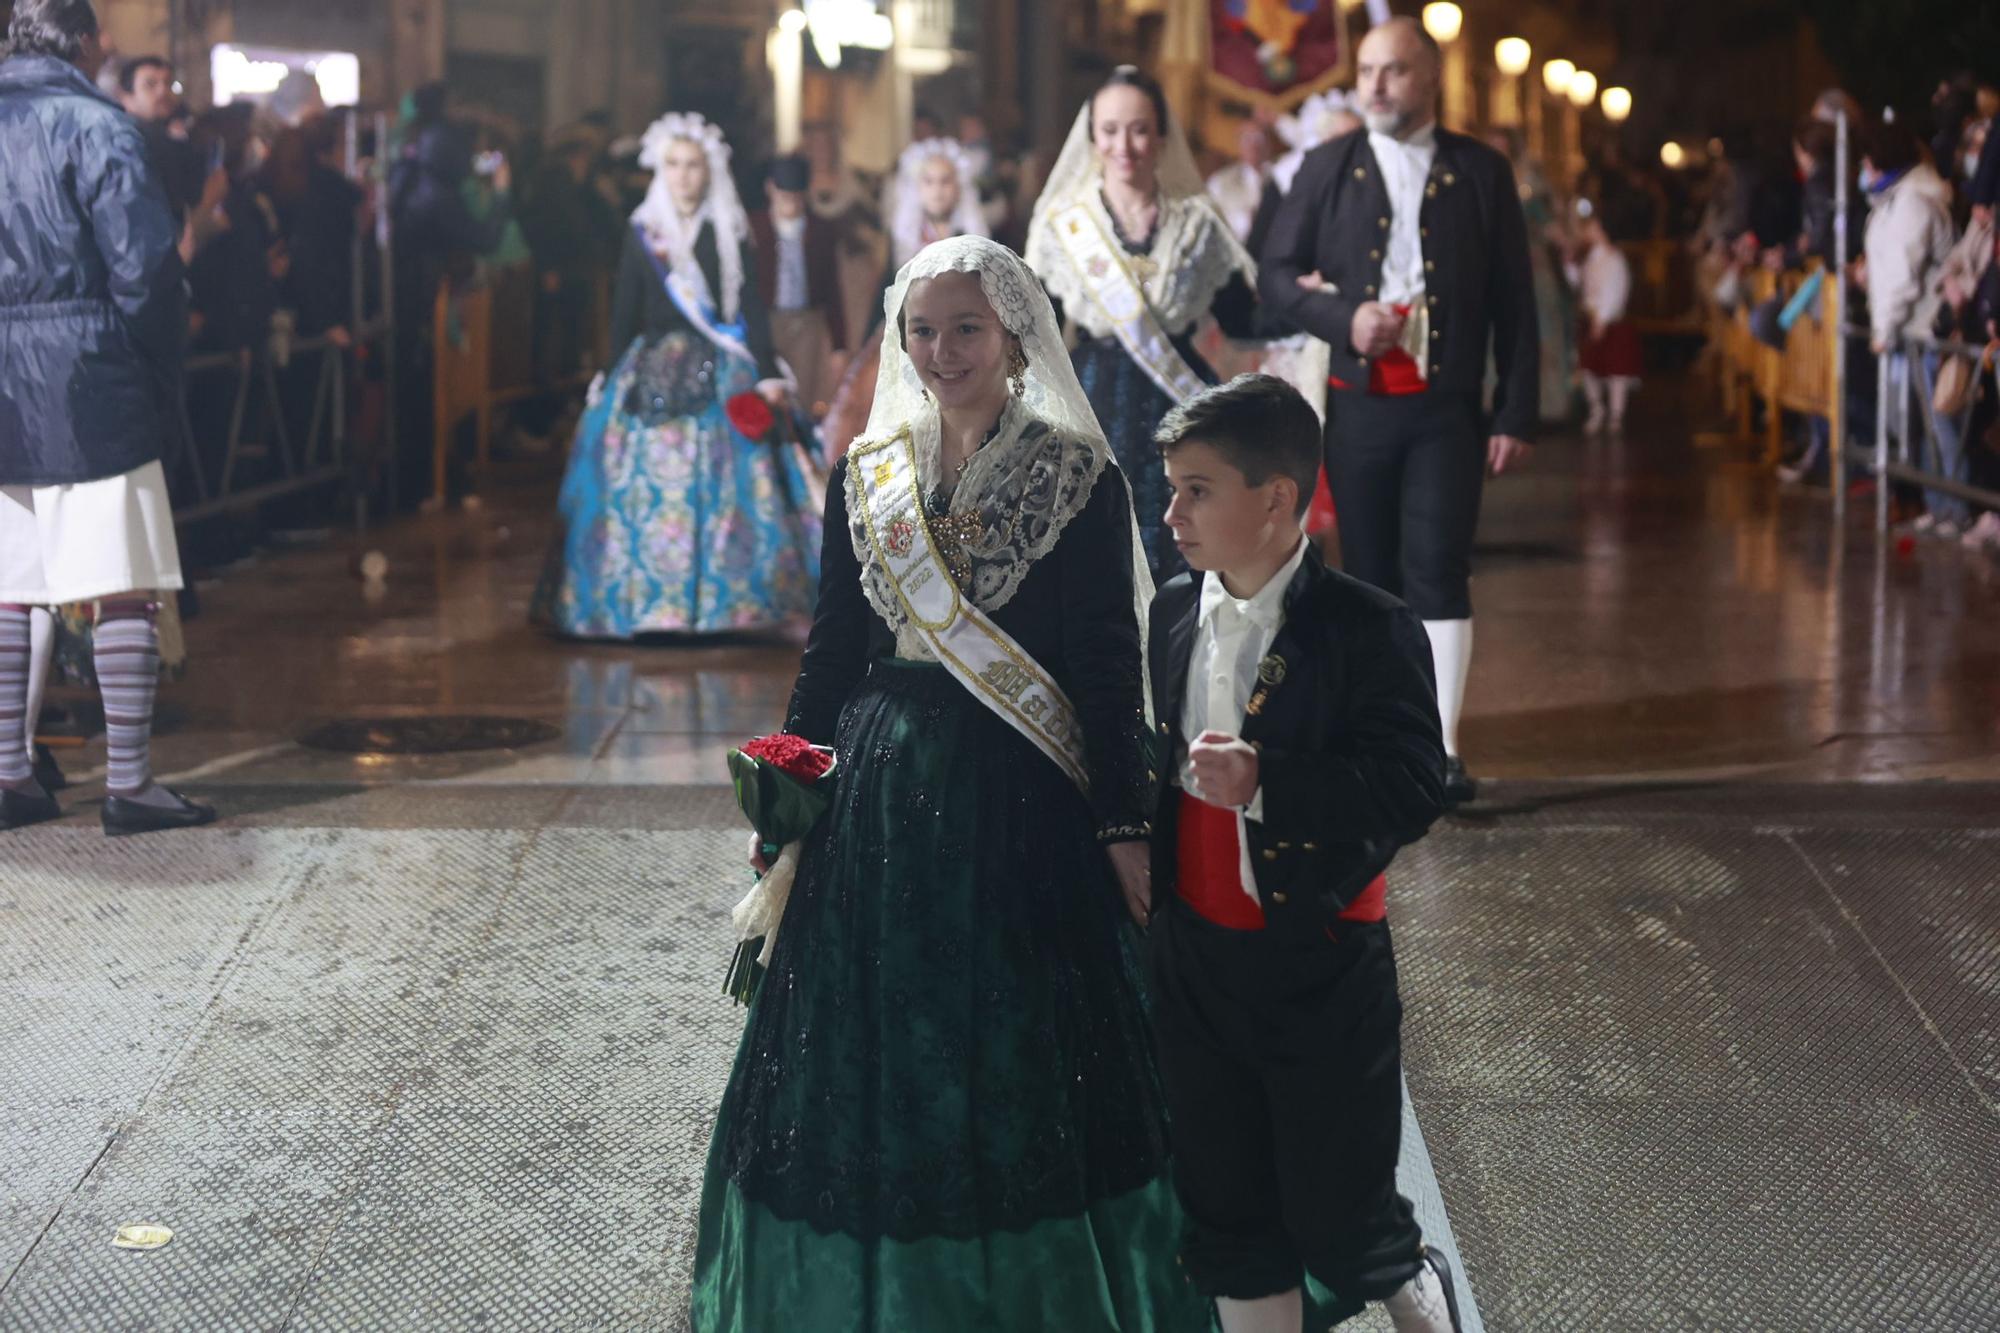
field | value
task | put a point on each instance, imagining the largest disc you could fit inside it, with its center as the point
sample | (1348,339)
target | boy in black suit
(1299,719)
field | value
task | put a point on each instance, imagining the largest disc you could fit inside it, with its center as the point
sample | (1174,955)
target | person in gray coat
(93,318)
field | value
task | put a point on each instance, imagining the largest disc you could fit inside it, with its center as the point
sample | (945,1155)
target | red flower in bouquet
(751,415)
(794,756)
(783,785)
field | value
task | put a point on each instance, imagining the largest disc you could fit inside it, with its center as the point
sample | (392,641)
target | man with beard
(1405,249)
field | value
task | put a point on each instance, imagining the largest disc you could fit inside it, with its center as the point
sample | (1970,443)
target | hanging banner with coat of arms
(1273,47)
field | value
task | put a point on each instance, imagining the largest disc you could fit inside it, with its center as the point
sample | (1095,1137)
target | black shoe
(123,817)
(18,809)
(1439,1265)
(46,771)
(1460,787)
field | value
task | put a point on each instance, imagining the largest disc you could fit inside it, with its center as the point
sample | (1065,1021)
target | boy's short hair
(1260,424)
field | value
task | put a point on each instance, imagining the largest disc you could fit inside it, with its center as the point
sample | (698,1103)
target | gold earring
(1017,371)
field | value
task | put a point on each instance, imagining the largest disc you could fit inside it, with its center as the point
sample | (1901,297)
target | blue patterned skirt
(684,525)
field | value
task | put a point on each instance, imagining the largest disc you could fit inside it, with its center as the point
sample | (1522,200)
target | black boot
(123,817)
(46,770)
(18,809)
(1460,787)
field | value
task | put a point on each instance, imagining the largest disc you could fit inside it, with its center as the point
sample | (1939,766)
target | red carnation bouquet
(750,414)
(783,785)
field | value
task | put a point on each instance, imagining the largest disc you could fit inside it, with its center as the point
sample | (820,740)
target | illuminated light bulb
(1444,21)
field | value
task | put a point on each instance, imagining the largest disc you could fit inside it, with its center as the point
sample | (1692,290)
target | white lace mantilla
(1035,474)
(1023,488)
(1193,255)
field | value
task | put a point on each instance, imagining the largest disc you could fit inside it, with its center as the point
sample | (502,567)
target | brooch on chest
(952,534)
(1270,675)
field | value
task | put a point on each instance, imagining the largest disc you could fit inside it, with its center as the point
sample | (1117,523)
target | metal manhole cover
(427,735)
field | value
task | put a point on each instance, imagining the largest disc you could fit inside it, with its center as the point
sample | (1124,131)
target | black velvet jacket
(1335,222)
(640,304)
(1072,613)
(1350,755)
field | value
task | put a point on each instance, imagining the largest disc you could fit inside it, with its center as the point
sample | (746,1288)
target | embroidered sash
(1109,279)
(727,337)
(977,652)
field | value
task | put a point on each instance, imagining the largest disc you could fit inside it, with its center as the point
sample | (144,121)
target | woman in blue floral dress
(687,506)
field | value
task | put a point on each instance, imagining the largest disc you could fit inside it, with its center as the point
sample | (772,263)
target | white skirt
(88,540)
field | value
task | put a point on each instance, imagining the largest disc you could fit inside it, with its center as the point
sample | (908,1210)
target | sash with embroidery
(727,337)
(1116,289)
(979,654)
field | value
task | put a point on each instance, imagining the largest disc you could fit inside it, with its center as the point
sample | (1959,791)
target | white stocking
(1593,394)
(42,638)
(1621,393)
(1451,653)
(1283,1313)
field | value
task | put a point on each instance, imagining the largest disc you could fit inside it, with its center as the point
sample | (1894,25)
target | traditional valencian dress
(673,518)
(1135,302)
(944,1114)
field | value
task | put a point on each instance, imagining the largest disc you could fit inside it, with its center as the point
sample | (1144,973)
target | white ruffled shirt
(1231,639)
(1406,166)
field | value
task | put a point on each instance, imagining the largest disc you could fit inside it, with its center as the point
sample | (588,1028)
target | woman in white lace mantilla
(944,1113)
(934,195)
(1129,245)
(681,513)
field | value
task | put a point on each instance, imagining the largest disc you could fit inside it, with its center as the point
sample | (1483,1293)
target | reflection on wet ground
(1645,608)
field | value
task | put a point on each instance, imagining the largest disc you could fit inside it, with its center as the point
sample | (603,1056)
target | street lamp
(1582,89)
(1617,104)
(1444,21)
(1513,55)
(1672,155)
(1556,76)
(792,22)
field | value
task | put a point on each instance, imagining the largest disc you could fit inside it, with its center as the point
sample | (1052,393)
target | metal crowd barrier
(328,453)
(1906,462)
(1809,376)
(325,456)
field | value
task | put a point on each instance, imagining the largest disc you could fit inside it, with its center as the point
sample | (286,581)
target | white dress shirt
(1406,167)
(1231,639)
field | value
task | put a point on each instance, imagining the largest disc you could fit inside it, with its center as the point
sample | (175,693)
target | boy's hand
(1225,768)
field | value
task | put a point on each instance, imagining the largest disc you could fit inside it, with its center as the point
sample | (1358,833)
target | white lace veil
(1050,391)
(1077,174)
(905,210)
(1316,121)
(722,209)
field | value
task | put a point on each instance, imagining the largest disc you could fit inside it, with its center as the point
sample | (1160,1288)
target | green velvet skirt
(944,1113)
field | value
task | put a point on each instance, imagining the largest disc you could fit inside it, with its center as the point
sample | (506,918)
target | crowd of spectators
(1920,281)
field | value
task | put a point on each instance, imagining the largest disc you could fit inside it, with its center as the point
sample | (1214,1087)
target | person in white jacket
(1909,236)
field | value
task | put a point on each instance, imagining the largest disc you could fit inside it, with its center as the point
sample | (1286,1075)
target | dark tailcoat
(1345,722)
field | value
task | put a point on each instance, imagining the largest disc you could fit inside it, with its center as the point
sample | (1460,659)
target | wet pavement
(1703,995)
(1645,608)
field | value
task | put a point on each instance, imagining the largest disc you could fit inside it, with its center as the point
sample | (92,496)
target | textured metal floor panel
(1678,1067)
